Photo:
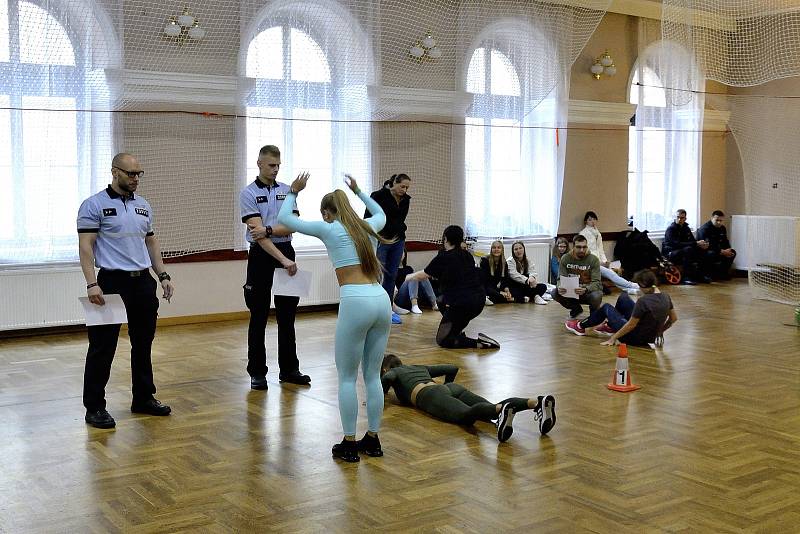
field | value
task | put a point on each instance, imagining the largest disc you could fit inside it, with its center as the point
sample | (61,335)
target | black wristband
(90,286)
(268,230)
(163,276)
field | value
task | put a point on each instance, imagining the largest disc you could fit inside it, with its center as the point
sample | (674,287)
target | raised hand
(300,182)
(351,183)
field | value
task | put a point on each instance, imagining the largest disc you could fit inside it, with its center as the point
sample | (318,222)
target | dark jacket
(395,227)
(676,237)
(498,281)
(717,237)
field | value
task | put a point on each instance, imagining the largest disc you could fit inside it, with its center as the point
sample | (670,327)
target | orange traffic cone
(621,379)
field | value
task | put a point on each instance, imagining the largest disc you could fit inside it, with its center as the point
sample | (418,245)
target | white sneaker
(398,310)
(539,300)
(527,300)
(548,297)
(489,302)
(415,309)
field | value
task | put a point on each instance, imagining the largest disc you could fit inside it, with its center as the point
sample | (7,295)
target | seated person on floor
(639,323)
(523,281)
(595,240)
(494,275)
(559,249)
(719,253)
(453,403)
(406,298)
(462,298)
(681,248)
(586,267)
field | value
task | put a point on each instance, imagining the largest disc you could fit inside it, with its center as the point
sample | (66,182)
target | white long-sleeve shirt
(517,276)
(595,239)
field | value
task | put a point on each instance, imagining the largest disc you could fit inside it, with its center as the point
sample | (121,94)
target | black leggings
(520,291)
(455,318)
(456,404)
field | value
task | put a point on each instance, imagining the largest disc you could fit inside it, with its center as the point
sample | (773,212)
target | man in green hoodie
(586,267)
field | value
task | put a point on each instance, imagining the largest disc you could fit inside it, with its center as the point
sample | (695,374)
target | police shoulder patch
(141,211)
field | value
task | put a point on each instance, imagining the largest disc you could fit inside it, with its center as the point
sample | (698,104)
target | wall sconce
(425,49)
(603,65)
(184,27)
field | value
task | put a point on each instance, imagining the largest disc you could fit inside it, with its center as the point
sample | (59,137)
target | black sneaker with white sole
(504,420)
(486,342)
(546,413)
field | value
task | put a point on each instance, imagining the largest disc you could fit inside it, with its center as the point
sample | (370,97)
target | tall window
(292,107)
(45,170)
(665,142)
(510,163)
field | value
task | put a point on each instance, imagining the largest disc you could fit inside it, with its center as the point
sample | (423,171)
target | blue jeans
(616,279)
(616,315)
(390,256)
(410,290)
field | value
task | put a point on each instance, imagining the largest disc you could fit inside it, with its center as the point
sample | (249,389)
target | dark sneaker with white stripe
(504,420)
(546,413)
(485,342)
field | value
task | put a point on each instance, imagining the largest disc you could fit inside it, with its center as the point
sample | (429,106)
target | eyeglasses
(131,174)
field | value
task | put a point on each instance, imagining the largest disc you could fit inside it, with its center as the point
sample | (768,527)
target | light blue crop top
(338,242)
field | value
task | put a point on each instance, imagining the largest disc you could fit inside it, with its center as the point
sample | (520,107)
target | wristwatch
(163,276)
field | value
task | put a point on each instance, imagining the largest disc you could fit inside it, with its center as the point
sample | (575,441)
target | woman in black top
(494,275)
(462,295)
(393,198)
(453,403)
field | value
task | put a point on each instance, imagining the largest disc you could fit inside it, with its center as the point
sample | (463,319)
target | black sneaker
(546,413)
(258,382)
(370,445)
(151,407)
(347,450)
(100,419)
(504,419)
(486,342)
(295,378)
(575,313)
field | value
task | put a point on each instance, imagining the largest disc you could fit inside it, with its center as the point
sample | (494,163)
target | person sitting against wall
(462,298)
(523,280)
(639,323)
(494,275)
(595,240)
(681,247)
(453,403)
(719,253)
(560,248)
(407,295)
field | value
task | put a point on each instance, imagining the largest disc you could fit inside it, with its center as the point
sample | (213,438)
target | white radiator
(538,254)
(41,297)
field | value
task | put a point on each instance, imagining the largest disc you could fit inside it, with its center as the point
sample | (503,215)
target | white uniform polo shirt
(260,200)
(121,224)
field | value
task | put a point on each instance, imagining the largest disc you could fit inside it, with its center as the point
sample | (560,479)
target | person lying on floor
(453,403)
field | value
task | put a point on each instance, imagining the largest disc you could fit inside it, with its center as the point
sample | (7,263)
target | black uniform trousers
(138,292)
(257,292)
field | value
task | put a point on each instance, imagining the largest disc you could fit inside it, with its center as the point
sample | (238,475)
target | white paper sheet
(570,283)
(615,265)
(298,285)
(112,312)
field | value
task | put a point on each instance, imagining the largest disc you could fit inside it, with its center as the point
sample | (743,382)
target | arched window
(664,141)
(47,148)
(510,150)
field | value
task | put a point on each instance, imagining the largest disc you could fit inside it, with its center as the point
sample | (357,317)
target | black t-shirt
(652,310)
(456,272)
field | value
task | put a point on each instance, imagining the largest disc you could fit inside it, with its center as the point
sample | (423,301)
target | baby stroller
(636,252)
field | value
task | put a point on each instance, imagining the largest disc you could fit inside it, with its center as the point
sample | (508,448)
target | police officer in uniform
(115,233)
(270,249)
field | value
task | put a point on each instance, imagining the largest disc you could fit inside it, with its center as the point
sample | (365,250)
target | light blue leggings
(362,330)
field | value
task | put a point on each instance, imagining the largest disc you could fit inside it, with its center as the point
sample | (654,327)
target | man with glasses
(681,248)
(719,253)
(115,234)
(578,262)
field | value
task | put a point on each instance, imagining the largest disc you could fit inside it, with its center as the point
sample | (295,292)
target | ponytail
(396,179)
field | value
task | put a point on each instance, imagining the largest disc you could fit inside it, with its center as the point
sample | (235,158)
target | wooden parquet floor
(711,443)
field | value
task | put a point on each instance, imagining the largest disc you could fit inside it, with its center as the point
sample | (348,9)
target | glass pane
(6,182)
(476,72)
(312,152)
(262,131)
(653,92)
(4,46)
(474,162)
(504,76)
(308,60)
(505,168)
(42,39)
(50,156)
(265,55)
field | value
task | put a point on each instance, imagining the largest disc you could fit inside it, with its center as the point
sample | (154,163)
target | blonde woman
(494,275)
(362,328)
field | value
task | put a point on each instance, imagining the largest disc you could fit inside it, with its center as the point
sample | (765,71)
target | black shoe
(688,282)
(370,445)
(504,419)
(295,378)
(485,342)
(347,450)
(151,407)
(100,419)
(707,280)
(546,413)
(258,382)
(575,312)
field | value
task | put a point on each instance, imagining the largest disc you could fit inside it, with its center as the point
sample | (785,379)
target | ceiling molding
(650,9)
(178,87)
(399,102)
(603,113)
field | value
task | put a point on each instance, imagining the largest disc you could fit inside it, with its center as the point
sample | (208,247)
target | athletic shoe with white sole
(504,420)
(604,329)
(575,327)
(539,300)
(416,309)
(548,297)
(546,413)
(398,310)
(486,342)
(489,302)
